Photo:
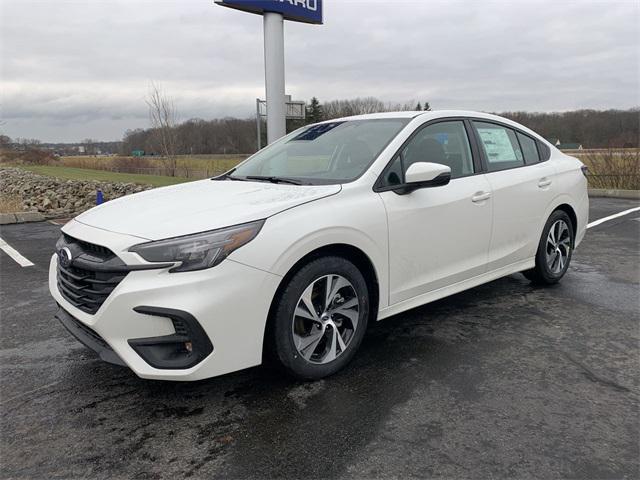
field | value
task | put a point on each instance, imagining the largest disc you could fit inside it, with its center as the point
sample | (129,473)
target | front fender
(356,220)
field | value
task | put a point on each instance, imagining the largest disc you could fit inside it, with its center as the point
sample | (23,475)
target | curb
(20,217)
(612,193)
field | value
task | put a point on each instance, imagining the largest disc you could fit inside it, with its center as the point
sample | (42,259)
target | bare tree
(27,143)
(89,146)
(164,119)
(359,106)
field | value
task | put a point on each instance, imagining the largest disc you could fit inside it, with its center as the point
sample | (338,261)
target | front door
(437,236)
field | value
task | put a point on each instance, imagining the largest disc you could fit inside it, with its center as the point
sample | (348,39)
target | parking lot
(505,380)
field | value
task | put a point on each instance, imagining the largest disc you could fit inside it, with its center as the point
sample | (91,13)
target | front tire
(554,250)
(320,318)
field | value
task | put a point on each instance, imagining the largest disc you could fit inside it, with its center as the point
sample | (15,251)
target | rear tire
(320,318)
(554,250)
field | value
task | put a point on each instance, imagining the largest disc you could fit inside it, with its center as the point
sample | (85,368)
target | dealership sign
(274,13)
(307,11)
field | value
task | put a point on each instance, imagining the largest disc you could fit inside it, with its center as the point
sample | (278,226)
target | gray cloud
(72,69)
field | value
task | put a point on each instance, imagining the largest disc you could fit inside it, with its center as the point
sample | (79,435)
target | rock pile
(55,197)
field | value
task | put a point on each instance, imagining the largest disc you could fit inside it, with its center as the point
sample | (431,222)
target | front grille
(99,250)
(92,275)
(87,289)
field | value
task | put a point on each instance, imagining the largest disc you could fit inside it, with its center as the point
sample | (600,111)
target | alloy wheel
(325,319)
(558,246)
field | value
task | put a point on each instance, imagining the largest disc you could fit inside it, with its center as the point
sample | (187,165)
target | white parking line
(611,217)
(13,253)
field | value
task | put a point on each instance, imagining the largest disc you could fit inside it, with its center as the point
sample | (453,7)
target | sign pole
(258,122)
(274,74)
(274,13)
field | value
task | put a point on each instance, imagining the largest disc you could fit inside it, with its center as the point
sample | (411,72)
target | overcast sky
(77,69)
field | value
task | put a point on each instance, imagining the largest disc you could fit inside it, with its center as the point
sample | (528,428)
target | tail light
(585,170)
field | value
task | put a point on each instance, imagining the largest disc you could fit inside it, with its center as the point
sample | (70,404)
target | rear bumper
(582,214)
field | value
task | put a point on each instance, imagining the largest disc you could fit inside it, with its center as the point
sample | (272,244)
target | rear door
(437,236)
(522,188)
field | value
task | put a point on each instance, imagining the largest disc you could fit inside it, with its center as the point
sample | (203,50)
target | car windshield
(326,153)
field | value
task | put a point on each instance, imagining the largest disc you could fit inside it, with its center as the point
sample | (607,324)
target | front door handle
(481,197)
(544,182)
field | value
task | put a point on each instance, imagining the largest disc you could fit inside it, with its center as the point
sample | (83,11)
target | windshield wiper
(227,176)
(273,179)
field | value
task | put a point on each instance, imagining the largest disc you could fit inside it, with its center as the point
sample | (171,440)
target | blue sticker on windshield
(443,138)
(314,132)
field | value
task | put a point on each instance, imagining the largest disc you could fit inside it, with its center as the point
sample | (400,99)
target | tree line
(234,135)
(591,128)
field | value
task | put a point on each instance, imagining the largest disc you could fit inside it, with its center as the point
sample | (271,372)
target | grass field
(609,168)
(614,168)
(188,166)
(70,173)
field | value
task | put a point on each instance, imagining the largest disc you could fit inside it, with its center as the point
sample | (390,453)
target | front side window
(326,153)
(501,147)
(443,142)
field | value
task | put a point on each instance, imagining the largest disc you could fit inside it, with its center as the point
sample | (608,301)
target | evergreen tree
(427,107)
(314,112)
(418,107)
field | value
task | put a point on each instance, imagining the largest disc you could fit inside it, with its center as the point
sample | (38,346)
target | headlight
(201,250)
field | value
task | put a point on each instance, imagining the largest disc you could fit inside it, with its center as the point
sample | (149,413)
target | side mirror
(425,175)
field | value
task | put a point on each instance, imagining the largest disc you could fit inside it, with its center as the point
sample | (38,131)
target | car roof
(433,114)
(414,114)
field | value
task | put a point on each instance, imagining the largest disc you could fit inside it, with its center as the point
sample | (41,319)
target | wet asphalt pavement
(506,380)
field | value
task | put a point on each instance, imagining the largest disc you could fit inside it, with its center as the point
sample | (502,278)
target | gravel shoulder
(55,197)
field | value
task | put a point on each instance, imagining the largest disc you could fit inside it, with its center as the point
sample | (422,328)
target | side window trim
(524,160)
(378,187)
(476,150)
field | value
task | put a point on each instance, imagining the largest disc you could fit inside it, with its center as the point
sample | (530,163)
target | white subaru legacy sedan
(300,247)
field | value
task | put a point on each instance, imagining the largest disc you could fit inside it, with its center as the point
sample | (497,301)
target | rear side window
(545,151)
(500,145)
(529,149)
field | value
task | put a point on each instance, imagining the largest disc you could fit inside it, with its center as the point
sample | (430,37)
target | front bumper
(230,302)
(88,337)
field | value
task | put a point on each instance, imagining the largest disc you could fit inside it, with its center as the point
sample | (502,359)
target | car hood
(199,206)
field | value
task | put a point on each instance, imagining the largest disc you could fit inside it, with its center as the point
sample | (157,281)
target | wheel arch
(568,209)
(349,252)
(565,203)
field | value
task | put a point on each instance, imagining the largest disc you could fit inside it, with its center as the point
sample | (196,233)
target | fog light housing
(185,348)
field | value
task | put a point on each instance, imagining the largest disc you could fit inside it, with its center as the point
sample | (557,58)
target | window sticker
(497,144)
(442,138)
(316,131)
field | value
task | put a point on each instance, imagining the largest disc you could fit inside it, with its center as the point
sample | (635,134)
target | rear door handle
(480,197)
(544,182)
